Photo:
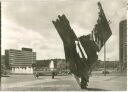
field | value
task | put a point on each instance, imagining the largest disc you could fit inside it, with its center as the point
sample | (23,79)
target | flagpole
(104,59)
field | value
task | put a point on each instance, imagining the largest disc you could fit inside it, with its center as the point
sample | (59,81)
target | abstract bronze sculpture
(81,66)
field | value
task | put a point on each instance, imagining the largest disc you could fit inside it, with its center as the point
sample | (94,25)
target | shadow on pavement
(43,78)
(96,89)
(57,78)
(5,76)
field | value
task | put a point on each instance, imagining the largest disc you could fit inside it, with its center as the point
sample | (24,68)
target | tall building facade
(123,44)
(20,58)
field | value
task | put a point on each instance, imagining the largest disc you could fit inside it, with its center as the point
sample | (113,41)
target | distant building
(123,44)
(20,58)
(27,49)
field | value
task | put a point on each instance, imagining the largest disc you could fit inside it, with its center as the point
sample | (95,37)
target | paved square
(62,83)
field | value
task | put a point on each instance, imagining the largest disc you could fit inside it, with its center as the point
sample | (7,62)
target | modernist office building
(123,44)
(17,59)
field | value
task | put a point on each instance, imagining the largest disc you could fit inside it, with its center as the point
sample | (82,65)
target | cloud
(79,31)
(16,37)
(29,24)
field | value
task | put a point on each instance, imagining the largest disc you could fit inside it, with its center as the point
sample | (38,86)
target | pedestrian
(37,75)
(53,74)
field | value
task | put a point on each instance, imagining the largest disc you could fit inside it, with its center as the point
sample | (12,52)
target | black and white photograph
(63,45)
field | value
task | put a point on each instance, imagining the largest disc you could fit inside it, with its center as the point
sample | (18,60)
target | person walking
(53,74)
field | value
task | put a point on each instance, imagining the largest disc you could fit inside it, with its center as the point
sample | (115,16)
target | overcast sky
(29,24)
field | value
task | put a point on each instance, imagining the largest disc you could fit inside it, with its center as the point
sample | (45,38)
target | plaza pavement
(62,83)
